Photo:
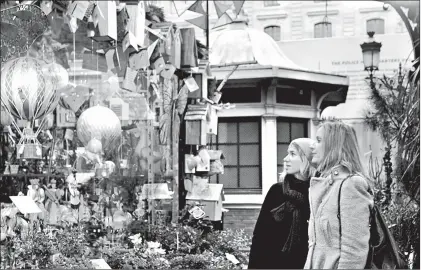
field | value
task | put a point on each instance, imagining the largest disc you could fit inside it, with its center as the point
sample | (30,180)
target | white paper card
(191,84)
(25,204)
(109,57)
(100,264)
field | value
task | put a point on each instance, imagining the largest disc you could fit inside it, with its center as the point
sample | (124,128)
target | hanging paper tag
(78,9)
(72,22)
(191,84)
(109,57)
(168,71)
(197,212)
(130,40)
(129,78)
(139,60)
(46,6)
(159,65)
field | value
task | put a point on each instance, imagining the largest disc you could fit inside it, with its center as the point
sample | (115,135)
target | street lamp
(371,55)
(371,59)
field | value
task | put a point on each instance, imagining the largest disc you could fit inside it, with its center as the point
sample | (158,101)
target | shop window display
(81,138)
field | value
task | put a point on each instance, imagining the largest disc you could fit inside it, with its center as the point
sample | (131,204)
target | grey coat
(325,250)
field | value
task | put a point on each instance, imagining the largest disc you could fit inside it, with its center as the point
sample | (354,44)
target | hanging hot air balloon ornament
(99,123)
(27,94)
(25,90)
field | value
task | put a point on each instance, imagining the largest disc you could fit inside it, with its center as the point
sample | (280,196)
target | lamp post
(371,56)
(371,59)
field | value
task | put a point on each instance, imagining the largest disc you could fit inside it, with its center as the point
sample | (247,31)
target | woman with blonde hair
(340,201)
(280,236)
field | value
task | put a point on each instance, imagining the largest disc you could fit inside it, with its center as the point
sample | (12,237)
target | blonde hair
(340,148)
(306,170)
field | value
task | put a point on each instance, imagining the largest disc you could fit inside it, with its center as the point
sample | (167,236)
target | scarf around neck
(296,204)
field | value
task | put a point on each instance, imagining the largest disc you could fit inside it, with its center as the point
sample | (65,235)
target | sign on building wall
(343,56)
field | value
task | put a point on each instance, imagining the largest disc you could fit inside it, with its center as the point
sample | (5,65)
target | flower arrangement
(152,247)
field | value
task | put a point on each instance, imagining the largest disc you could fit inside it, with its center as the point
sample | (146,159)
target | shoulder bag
(383,252)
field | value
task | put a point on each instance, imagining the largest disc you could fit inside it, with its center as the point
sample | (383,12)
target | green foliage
(157,247)
(401,213)
(37,250)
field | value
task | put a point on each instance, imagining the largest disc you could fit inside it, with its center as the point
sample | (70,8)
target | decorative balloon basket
(28,146)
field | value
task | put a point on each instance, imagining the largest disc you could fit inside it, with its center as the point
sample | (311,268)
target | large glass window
(323,30)
(274,31)
(293,95)
(287,130)
(239,139)
(376,26)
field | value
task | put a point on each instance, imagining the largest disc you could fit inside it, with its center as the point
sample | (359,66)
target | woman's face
(318,147)
(292,161)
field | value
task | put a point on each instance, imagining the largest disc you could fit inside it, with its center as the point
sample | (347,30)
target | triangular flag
(151,48)
(221,8)
(180,7)
(199,22)
(197,7)
(238,4)
(223,20)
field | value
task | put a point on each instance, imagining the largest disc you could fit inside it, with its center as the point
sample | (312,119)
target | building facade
(314,35)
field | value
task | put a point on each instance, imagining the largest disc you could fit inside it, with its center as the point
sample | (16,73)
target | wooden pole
(207,26)
(174,157)
(150,140)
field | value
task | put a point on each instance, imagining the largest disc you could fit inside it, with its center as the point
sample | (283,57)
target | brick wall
(241,219)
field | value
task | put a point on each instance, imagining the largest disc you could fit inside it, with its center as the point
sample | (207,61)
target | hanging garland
(20,26)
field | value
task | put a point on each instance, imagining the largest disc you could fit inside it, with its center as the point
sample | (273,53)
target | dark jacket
(270,236)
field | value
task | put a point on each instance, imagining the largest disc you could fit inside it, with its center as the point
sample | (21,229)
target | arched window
(322,30)
(274,31)
(376,26)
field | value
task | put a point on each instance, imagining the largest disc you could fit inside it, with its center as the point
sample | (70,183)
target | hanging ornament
(46,6)
(101,123)
(94,146)
(24,89)
(21,25)
(56,74)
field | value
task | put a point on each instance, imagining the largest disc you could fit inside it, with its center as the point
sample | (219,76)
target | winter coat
(270,234)
(325,250)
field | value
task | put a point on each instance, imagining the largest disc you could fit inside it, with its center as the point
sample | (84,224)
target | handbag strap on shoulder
(339,210)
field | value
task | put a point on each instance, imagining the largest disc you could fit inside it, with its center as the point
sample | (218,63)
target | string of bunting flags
(201,20)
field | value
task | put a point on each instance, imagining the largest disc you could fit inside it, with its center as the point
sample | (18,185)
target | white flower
(136,239)
(153,245)
(160,251)
(232,258)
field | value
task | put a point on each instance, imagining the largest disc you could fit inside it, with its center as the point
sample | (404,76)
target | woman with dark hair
(280,237)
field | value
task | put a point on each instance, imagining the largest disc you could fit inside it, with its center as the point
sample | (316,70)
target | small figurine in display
(52,202)
(74,195)
(37,194)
